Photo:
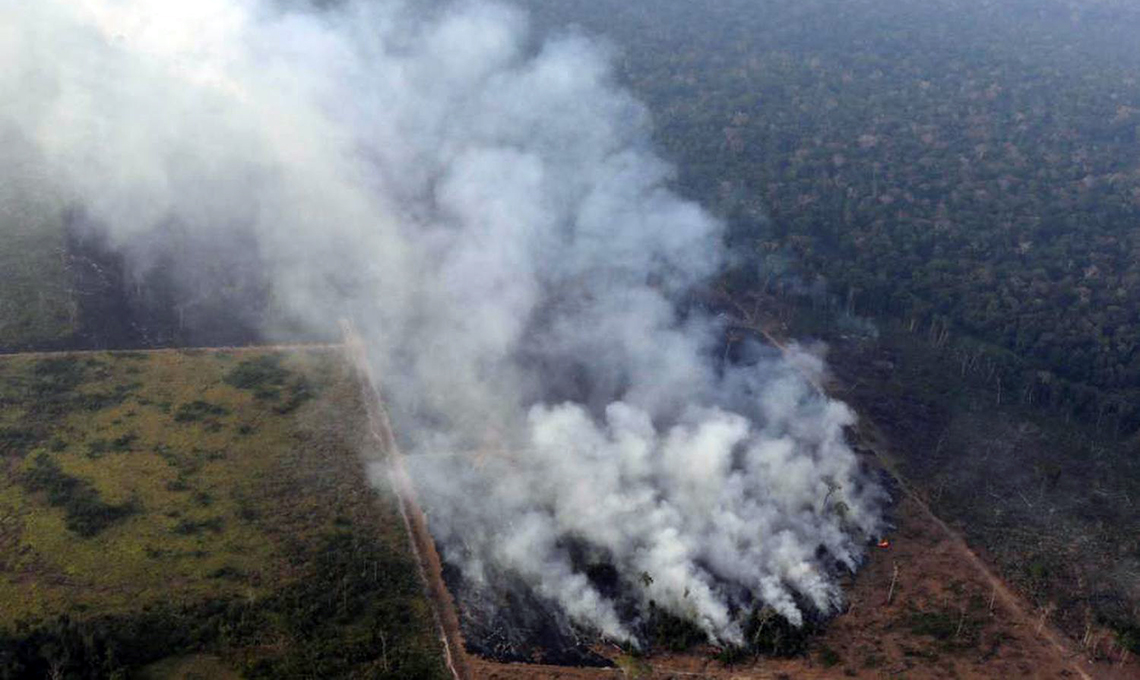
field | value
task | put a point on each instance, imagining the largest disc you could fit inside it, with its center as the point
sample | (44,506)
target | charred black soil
(508,623)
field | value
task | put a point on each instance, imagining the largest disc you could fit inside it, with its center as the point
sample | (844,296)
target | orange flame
(884,543)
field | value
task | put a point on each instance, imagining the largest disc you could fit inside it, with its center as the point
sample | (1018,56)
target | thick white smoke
(489,212)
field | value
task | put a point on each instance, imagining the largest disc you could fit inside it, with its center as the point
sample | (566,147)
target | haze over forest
(640,280)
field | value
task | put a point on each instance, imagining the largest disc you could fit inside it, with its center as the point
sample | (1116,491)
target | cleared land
(203,511)
(944,620)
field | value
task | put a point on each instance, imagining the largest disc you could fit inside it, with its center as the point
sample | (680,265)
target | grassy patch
(144,529)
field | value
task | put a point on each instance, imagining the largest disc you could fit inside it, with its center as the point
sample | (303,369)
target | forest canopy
(968,163)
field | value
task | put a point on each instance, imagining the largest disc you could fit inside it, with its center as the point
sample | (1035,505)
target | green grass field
(189,508)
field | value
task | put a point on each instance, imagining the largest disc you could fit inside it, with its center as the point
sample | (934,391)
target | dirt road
(415,523)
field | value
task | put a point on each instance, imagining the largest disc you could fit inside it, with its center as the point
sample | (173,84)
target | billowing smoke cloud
(489,212)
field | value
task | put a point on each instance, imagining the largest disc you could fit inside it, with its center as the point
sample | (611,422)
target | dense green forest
(967,165)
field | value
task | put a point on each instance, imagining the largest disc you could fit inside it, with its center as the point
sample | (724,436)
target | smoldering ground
(489,211)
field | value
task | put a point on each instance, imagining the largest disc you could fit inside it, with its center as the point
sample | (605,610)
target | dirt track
(423,547)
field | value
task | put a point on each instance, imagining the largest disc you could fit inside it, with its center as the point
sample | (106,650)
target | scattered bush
(939,625)
(1128,636)
(673,632)
(829,657)
(770,634)
(86,513)
(352,615)
(98,401)
(228,572)
(268,380)
(197,410)
(98,447)
(263,372)
(300,392)
(59,374)
(730,655)
(191,528)
(952,629)
(19,440)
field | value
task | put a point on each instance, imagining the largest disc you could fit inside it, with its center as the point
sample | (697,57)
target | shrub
(86,513)
(300,392)
(829,657)
(673,632)
(19,440)
(770,634)
(731,655)
(197,410)
(98,447)
(352,612)
(1128,636)
(191,528)
(263,372)
(98,401)
(59,373)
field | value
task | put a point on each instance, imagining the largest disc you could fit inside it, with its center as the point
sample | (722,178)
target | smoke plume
(488,209)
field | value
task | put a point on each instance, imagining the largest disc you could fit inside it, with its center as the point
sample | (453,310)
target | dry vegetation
(206,505)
